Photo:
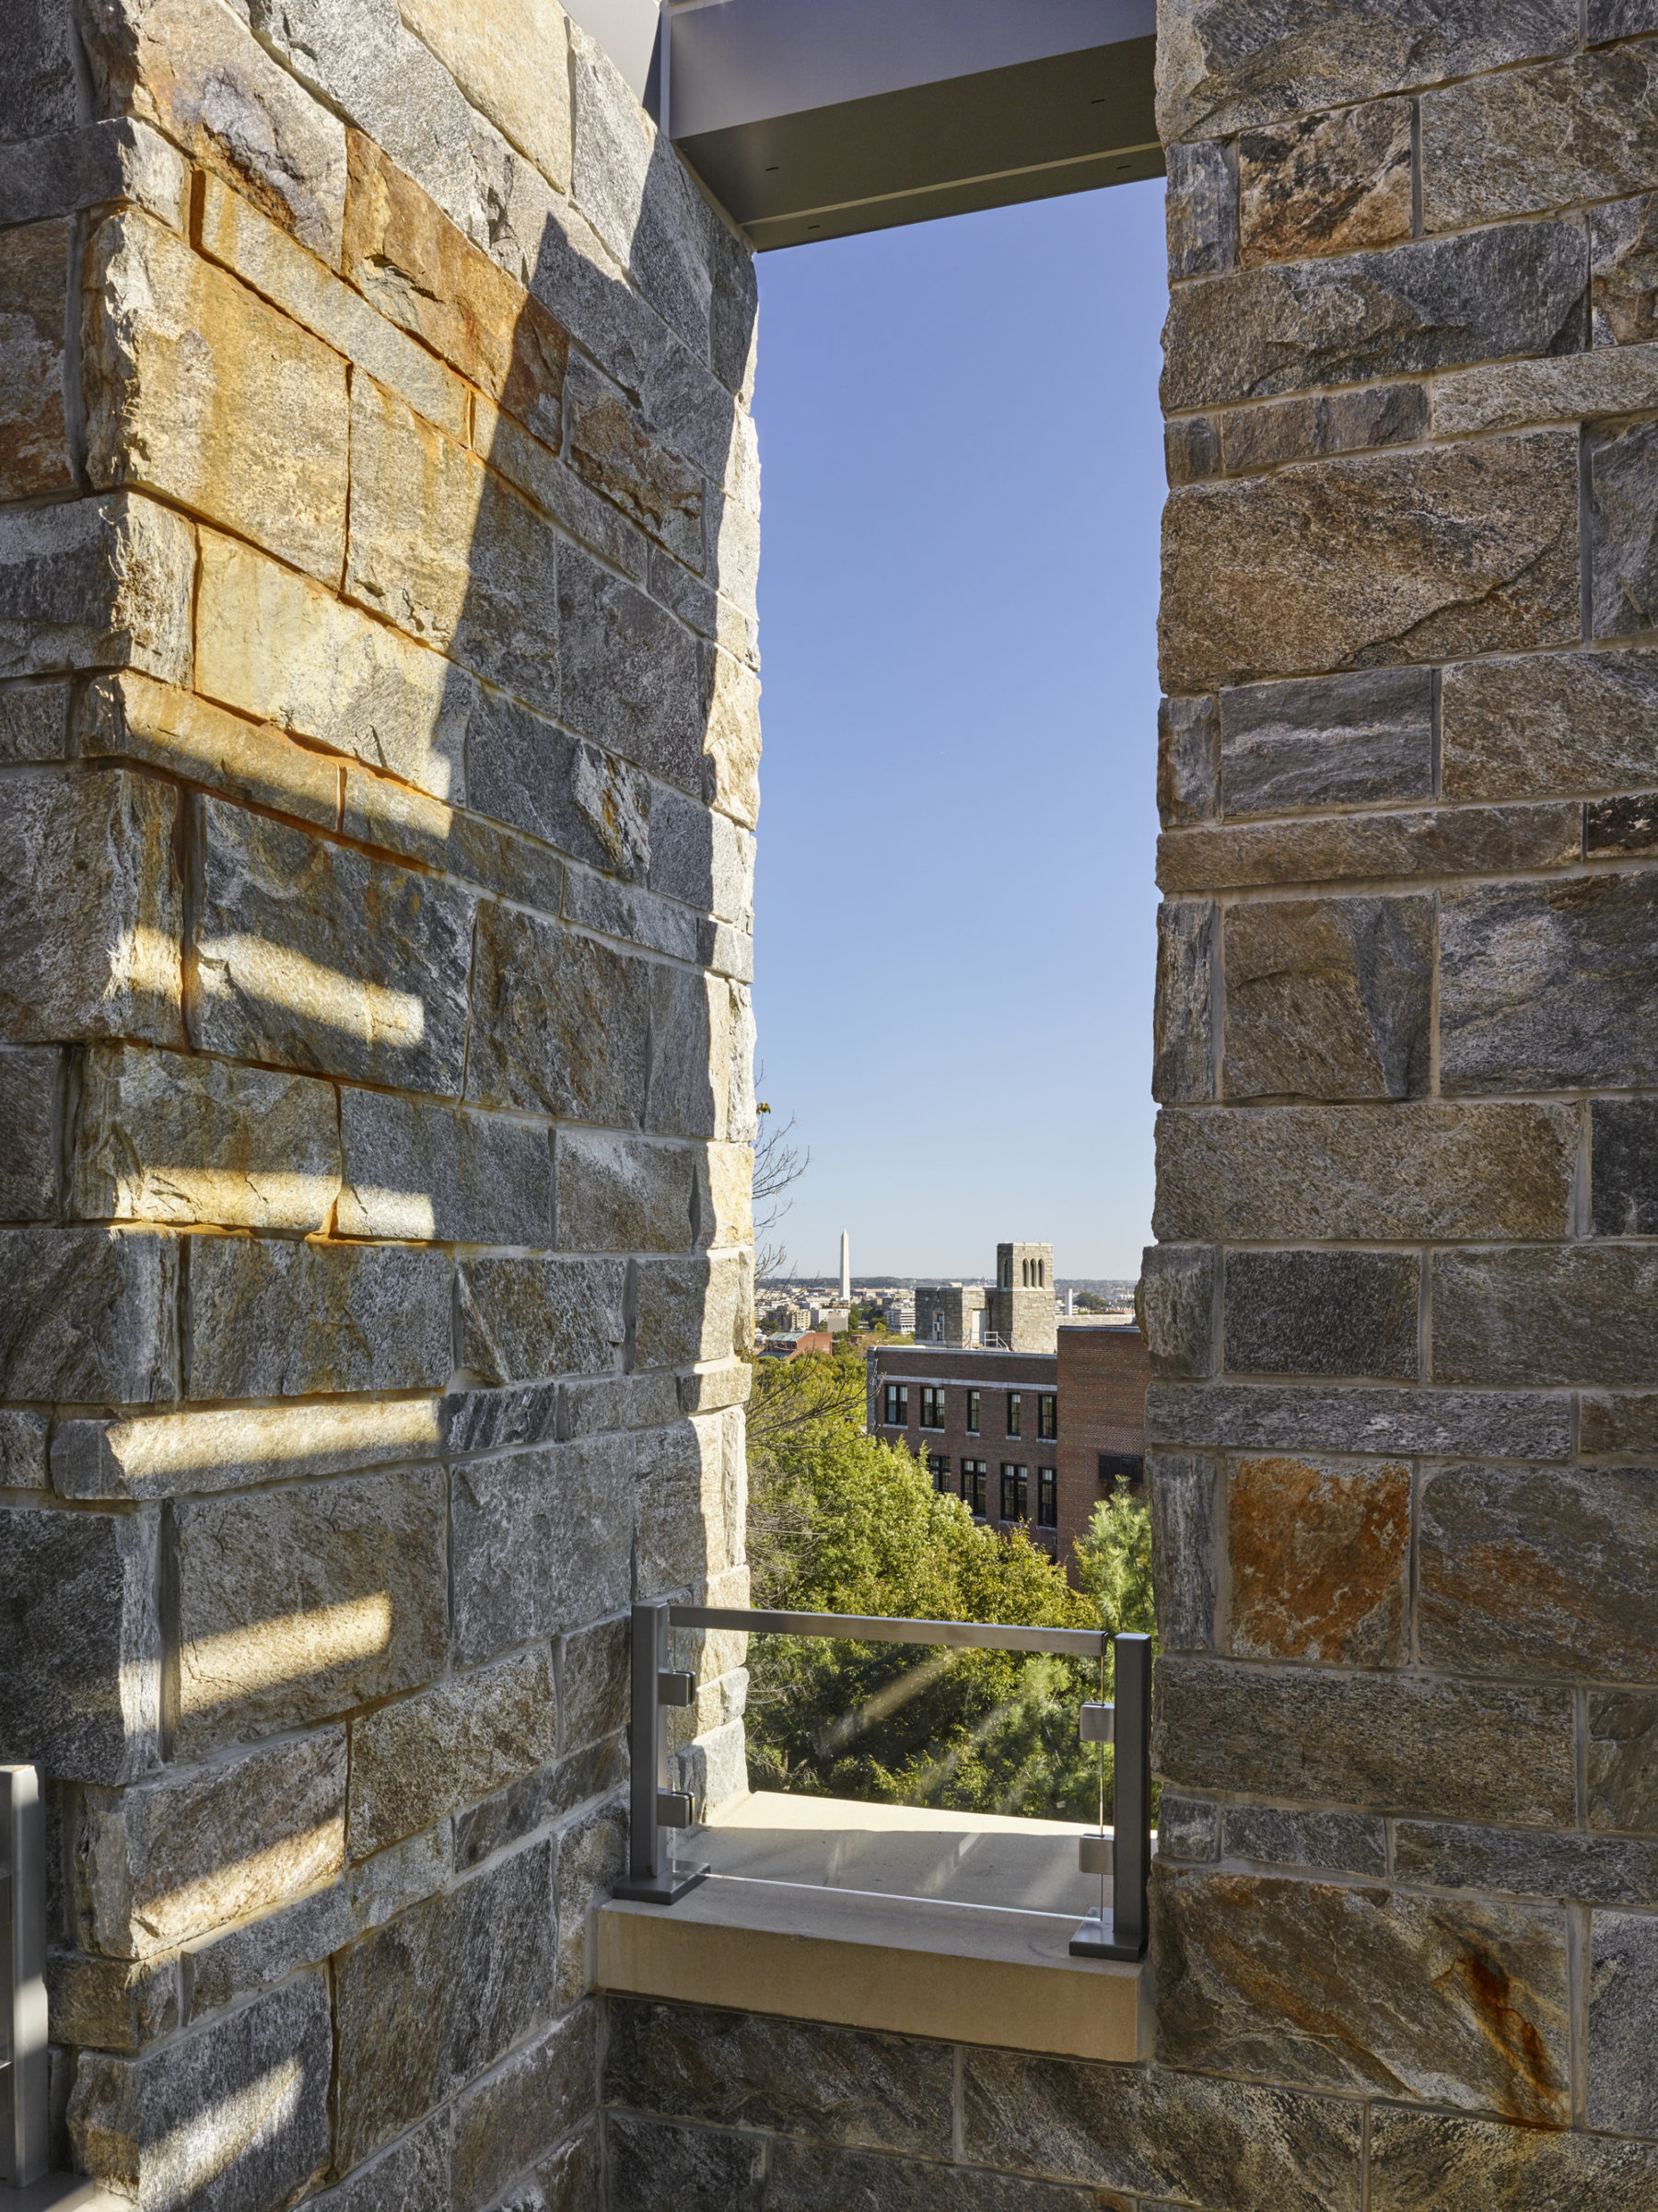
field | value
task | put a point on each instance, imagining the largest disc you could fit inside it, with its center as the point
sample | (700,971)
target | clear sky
(954,912)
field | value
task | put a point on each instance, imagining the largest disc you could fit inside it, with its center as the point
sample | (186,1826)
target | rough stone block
(731,777)
(1304,428)
(159,1136)
(413,826)
(525,1318)
(99,583)
(1581,1314)
(92,1315)
(81,1644)
(1419,2158)
(1320,1561)
(1323,1313)
(1174,1304)
(556,490)
(130,717)
(423,1172)
(1617,828)
(592,1407)
(630,678)
(1427,840)
(692,1309)
(1322,1172)
(192,69)
(272,1319)
(1482,558)
(39,93)
(811,2177)
(197,390)
(277,647)
(1437,1424)
(1188,1828)
(535,1800)
(1545,1573)
(1182,1551)
(1622,1776)
(200,1452)
(1463,2002)
(1328,998)
(29,1084)
(610,451)
(232,2117)
(423,1757)
(1182,1020)
(493,1420)
(541,1541)
(35,455)
(1355,1842)
(1337,740)
(1324,185)
(1200,209)
(691,1509)
(113,2004)
(1623,529)
(592,1682)
(696,2168)
(1188,761)
(592,1858)
(34,721)
(313,956)
(432,1999)
(309,1599)
(559,1021)
(1623,1994)
(1506,395)
(1191,447)
(407,1874)
(505,2121)
(1618,1421)
(23,1439)
(1149,2131)
(91,165)
(1432,303)
(621,1194)
(512,63)
(1525,1863)
(521,769)
(1550,723)
(1391,1742)
(1623,271)
(621,909)
(1582,128)
(170,1858)
(413,2175)
(242,1961)
(695,1040)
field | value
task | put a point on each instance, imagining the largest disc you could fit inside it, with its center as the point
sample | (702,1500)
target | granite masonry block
(592,1682)
(1575,1314)
(1427,841)
(692,1309)
(1323,1172)
(1319,1559)
(811,2177)
(1618,1421)
(701,857)
(1482,557)
(524,1318)
(1616,828)
(1521,1862)
(82,1642)
(305,1600)
(504,2123)
(512,64)
(550,1794)
(231,1448)
(1505,395)
(111,2004)
(91,165)
(1387,1742)
(34,721)
(1324,185)
(30,1084)
(1623,1995)
(23,1449)
(309,955)
(1623,529)
(1337,740)
(1545,1573)
(430,831)
(1354,1843)
(1623,271)
(272,1319)
(1183,1019)
(1538,983)
(1437,1424)
(638,917)
(131,716)
(1188,1828)
(701,1053)
(1566,722)
(559,1021)
(541,1541)
(592,1406)
(1323,1313)
(41,82)
(414,2174)
(1365,1989)
(434,1997)
(653,2162)
(163,1136)
(1430,303)
(1622,1772)
(1328,998)
(92,1315)
(690,1509)
(239,1961)
(622,1194)
(629,674)
(419,1170)
(1418,2158)
(1191,449)
(100,583)
(1304,428)
(1148,2131)
(1182,1493)
(231,2117)
(90,908)
(522,769)
(1200,208)
(1584,127)
(35,453)
(1188,770)
(610,451)
(1175,1303)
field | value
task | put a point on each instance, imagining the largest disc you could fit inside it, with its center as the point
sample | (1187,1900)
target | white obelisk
(846,1268)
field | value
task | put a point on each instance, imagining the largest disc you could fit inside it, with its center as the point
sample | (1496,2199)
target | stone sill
(789,1934)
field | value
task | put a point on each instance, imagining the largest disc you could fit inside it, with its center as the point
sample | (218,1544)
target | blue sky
(954,910)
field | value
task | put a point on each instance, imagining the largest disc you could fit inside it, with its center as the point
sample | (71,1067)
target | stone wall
(377,744)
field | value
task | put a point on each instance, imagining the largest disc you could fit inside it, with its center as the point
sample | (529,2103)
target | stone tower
(1020,1307)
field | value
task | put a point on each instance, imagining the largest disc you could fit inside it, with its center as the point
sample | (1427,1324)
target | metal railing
(655,1812)
(24,2142)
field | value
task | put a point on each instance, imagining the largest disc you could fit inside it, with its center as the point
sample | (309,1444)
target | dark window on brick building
(973,1473)
(932,1407)
(898,1406)
(1047,1500)
(1126,1467)
(1015,1413)
(972,1412)
(1047,1417)
(939,1468)
(1016,1492)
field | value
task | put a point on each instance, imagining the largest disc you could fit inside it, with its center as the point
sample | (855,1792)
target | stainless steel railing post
(24,2149)
(653,1808)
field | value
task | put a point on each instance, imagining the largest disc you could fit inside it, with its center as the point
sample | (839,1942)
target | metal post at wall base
(25,2153)
(654,1808)
(1121,1932)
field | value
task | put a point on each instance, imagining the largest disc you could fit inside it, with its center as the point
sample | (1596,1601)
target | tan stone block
(34,431)
(278,647)
(130,717)
(1320,1560)
(227,1450)
(168,1860)
(1508,395)
(196,72)
(377,811)
(197,390)
(729,1218)
(686,1527)
(114,2004)
(305,1600)
(162,1137)
(230,231)
(425,1756)
(512,62)
(732,742)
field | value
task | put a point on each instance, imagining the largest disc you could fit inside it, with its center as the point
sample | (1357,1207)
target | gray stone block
(628,673)
(1623,530)
(1328,998)
(1623,1999)
(102,583)
(1563,722)
(1188,761)
(1391,1743)
(111,2004)
(592,1408)
(559,1022)
(34,721)
(1582,128)
(23,1438)
(1333,848)
(248,1959)
(233,1447)
(621,909)
(30,1086)
(592,1682)
(525,1318)
(610,451)
(1391,1978)
(1435,1424)
(1420,1170)
(1433,303)
(625,1193)
(425,1171)
(1623,271)
(691,1308)
(537,1799)
(1174,1304)
(694,2169)
(1200,209)
(1182,1015)
(80,1647)
(510,2119)
(695,1042)
(691,1507)
(1579,1314)
(313,956)
(524,769)
(231,2117)
(810,2177)
(491,1420)
(305,1600)
(1188,1828)
(1622,1773)
(36,454)
(569,2177)
(592,1859)
(1325,184)
(413,2176)
(1337,740)
(90,165)
(41,92)
(414,827)
(1181,1496)
(1304,428)
(1355,1842)
(1191,449)
(700,856)
(271,1319)
(92,1316)
(1323,1313)
(1522,1862)
(1419,2158)
(429,2000)
(541,1541)
(1613,827)
(1618,1421)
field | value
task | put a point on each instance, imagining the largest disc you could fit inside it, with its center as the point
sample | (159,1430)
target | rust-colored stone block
(1320,1560)
(1324,183)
